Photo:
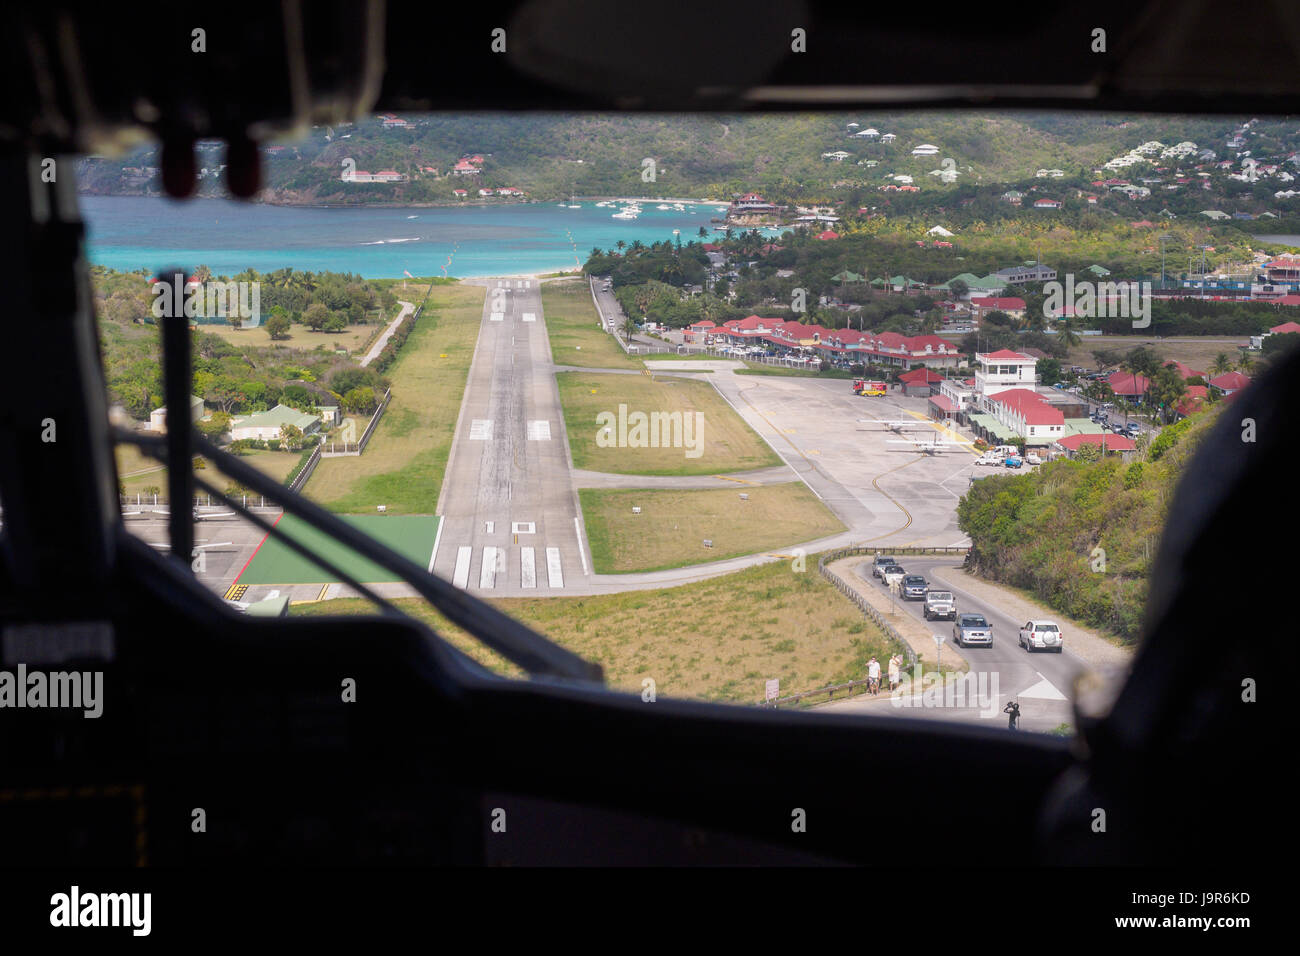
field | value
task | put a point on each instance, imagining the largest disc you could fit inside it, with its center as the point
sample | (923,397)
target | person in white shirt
(895,671)
(873,676)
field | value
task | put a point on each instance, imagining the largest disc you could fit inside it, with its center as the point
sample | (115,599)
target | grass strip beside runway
(673,524)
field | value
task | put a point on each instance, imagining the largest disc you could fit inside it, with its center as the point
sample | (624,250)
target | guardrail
(374,421)
(867,609)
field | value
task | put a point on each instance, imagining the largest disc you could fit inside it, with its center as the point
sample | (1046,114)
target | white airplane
(166,546)
(897,426)
(931,447)
(196,513)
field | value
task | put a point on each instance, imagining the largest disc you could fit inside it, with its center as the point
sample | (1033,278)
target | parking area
(873,478)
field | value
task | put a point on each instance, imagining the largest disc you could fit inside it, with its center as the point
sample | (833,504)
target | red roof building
(828,234)
(1287,327)
(1128,385)
(1107,442)
(1230,382)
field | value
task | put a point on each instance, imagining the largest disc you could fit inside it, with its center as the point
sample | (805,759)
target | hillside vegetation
(1039,531)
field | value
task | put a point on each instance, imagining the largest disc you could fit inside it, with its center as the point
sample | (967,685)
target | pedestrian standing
(873,676)
(895,671)
(1013,719)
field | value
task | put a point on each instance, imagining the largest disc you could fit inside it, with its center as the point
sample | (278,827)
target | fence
(296,485)
(867,609)
(354,448)
(251,502)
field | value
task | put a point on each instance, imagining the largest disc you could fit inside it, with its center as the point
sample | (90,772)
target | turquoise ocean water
(128,232)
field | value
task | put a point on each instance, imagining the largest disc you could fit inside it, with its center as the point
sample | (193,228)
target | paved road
(1039,681)
(387,334)
(511,524)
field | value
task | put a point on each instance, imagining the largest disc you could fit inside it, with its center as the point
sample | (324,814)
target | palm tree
(1068,337)
(1221,364)
(1245,363)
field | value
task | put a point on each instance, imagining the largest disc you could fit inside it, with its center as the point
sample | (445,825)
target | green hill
(1038,531)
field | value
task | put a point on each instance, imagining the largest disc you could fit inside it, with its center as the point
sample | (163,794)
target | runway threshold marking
(554,573)
(494,560)
(255,550)
(527,568)
(460,577)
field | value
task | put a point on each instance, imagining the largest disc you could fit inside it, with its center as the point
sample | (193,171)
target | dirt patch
(1084,642)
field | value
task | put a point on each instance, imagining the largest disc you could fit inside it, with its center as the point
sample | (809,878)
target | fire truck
(868,387)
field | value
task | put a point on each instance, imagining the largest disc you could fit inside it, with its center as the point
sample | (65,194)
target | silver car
(970,629)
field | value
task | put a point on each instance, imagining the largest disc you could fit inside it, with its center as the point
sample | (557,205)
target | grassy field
(352,338)
(714,640)
(574,329)
(404,463)
(727,445)
(671,528)
(138,472)
(1195,351)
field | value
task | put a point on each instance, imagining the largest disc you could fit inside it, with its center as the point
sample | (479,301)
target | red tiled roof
(1030,405)
(995,302)
(1287,327)
(920,376)
(1125,383)
(828,234)
(942,401)
(1006,354)
(1108,441)
(1230,381)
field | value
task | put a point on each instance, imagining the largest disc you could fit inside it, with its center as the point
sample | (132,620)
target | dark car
(971,629)
(882,561)
(914,587)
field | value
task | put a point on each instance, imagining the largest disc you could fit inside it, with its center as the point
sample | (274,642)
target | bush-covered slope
(1039,531)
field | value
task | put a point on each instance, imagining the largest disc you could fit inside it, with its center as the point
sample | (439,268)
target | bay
(135,232)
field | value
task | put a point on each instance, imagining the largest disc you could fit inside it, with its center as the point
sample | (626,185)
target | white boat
(663,205)
(579,206)
(624,215)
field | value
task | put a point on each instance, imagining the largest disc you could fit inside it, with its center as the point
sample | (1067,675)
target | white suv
(1042,636)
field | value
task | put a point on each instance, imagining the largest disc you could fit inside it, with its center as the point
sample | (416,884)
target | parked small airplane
(166,546)
(896,426)
(931,447)
(198,516)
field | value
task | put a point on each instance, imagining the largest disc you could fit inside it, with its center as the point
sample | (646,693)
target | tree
(1245,363)
(277,326)
(1222,364)
(335,322)
(1166,390)
(1067,336)
(359,399)
(316,316)
(958,288)
(1049,370)
(215,426)
(290,437)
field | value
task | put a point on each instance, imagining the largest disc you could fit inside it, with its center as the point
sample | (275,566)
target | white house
(267,425)
(158,417)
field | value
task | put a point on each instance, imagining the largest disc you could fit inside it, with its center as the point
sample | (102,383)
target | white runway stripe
(497,316)
(461,576)
(527,568)
(539,431)
(480,429)
(530,316)
(554,575)
(494,562)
